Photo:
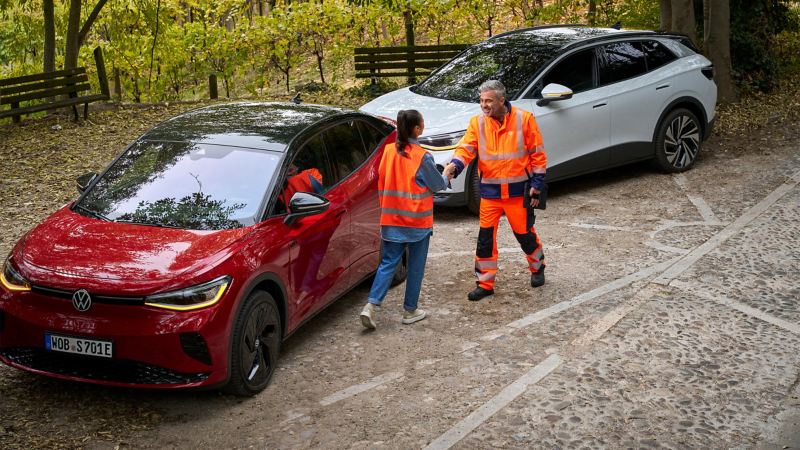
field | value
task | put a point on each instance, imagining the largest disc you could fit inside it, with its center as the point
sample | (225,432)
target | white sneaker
(369,314)
(410,317)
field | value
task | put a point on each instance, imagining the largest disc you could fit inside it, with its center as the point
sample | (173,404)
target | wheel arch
(690,103)
(271,284)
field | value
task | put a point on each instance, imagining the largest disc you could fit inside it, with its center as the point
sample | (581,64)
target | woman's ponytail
(407,119)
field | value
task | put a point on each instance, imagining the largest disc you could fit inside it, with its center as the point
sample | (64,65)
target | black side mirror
(84,181)
(305,204)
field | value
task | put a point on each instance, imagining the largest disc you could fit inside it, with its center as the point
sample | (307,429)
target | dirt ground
(669,319)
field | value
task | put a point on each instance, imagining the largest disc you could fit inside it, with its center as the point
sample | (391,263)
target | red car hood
(78,246)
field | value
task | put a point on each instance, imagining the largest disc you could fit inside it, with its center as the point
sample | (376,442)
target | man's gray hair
(493,85)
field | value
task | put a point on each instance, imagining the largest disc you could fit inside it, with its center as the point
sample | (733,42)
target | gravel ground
(602,356)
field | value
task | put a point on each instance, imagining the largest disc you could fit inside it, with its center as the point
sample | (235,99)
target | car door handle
(599,105)
(663,86)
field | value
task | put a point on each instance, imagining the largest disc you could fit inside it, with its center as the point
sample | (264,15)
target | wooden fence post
(212,86)
(102,78)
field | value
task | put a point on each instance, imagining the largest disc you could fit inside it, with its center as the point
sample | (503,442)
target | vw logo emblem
(81,300)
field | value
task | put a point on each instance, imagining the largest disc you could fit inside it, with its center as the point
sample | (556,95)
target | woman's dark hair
(407,119)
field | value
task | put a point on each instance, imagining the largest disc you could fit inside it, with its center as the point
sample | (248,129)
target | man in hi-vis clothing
(508,145)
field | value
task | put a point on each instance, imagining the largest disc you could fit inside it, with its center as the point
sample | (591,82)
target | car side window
(345,148)
(575,72)
(622,60)
(371,136)
(657,54)
(308,172)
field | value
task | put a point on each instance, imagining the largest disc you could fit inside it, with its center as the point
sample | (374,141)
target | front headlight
(12,280)
(195,297)
(438,142)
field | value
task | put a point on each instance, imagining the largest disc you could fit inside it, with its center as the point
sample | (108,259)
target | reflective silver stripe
(468,148)
(400,212)
(486,277)
(406,194)
(537,149)
(505,180)
(481,137)
(484,265)
(536,266)
(520,137)
(537,254)
(539,170)
(502,156)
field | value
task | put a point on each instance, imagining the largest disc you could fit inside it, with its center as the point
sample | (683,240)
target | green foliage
(196,211)
(755,26)
(302,41)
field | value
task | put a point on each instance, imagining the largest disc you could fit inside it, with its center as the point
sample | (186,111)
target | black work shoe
(479,293)
(537,278)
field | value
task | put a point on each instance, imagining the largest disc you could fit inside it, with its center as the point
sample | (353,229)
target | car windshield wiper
(148,224)
(91,213)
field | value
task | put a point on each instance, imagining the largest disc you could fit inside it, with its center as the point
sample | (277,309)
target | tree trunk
(706,25)
(76,33)
(117,85)
(666,15)
(592,12)
(719,50)
(683,18)
(73,28)
(213,93)
(49,37)
(408,18)
(319,55)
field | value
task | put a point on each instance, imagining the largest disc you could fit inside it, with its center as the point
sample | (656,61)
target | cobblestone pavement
(670,319)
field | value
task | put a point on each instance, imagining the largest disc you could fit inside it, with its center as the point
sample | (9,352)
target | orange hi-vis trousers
(521,221)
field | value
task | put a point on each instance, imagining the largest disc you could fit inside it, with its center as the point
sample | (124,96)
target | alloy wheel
(681,141)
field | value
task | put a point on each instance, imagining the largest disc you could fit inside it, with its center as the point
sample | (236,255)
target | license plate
(79,346)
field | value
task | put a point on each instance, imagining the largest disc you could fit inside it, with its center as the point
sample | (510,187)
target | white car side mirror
(554,92)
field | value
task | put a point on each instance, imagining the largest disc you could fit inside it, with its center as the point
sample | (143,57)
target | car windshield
(512,59)
(183,185)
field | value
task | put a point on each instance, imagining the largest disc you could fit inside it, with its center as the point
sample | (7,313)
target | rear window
(622,60)
(657,54)
(183,185)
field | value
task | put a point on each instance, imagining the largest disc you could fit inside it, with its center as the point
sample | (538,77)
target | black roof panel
(267,126)
(562,36)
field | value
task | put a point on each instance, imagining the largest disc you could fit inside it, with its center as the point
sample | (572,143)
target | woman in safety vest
(407,179)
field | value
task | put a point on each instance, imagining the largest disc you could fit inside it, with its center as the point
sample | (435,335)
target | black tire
(678,141)
(473,188)
(401,273)
(255,345)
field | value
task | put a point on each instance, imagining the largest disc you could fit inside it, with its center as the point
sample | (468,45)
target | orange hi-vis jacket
(300,183)
(507,153)
(403,202)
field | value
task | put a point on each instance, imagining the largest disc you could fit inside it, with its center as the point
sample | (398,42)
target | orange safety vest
(506,153)
(300,183)
(403,202)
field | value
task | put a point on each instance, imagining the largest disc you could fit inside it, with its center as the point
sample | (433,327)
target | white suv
(602,98)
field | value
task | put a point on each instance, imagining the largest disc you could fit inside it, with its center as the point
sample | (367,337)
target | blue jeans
(390,256)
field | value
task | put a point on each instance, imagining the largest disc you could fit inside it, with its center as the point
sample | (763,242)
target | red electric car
(206,243)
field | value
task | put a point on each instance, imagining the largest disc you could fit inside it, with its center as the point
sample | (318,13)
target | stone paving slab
(677,373)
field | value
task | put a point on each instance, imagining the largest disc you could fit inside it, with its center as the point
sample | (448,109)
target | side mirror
(305,204)
(554,92)
(84,181)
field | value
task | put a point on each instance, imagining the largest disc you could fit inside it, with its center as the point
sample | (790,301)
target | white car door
(576,130)
(638,100)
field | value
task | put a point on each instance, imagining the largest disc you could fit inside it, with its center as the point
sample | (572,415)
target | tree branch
(90,21)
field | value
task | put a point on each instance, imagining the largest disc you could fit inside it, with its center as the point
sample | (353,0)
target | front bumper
(709,128)
(153,348)
(456,194)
